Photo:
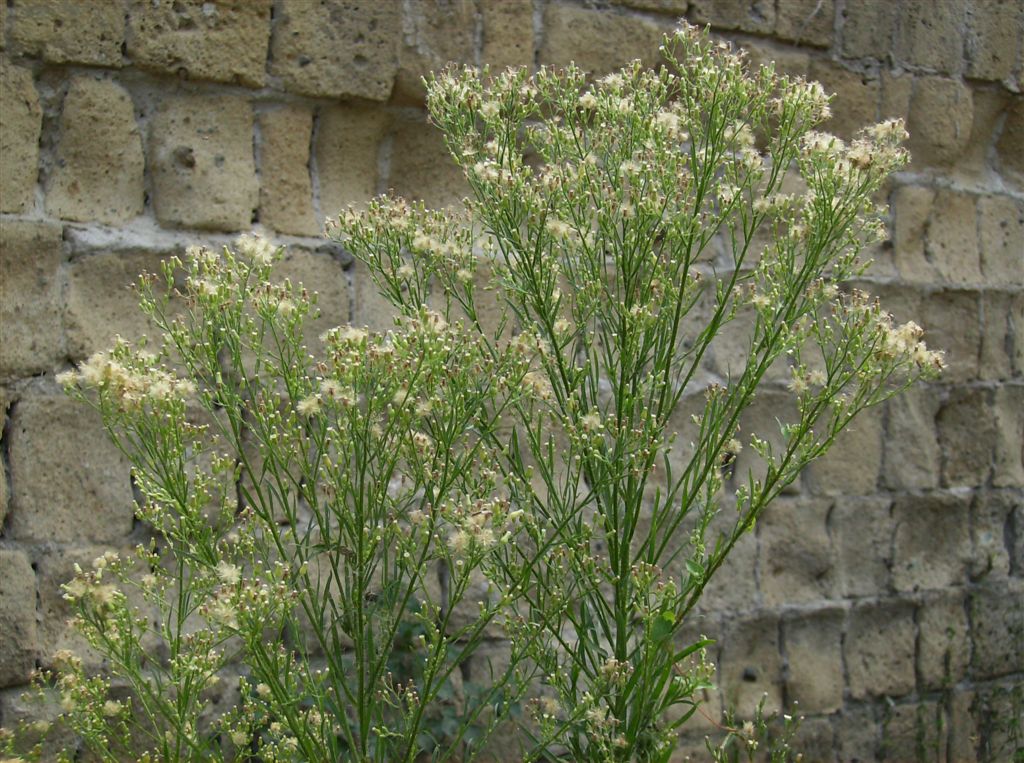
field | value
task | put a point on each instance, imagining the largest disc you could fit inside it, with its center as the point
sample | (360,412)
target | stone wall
(883,593)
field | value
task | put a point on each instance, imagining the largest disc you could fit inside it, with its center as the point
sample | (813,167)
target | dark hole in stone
(218,161)
(305,60)
(749,675)
(184,157)
(360,61)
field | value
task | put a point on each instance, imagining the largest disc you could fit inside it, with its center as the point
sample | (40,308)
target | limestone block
(101,301)
(346,148)
(286,192)
(1010,146)
(815,739)
(17,618)
(21,119)
(677,7)
(433,35)
(223,41)
(853,465)
(796,552)
(951,322)
(897,88)
(814,659)
(867,28)
(879,649)
(1001,239)
(912,453)
(911,210)
(30,294)
(751,665)
(929,34)
(336,48)
(963,727)
(789,61)
(975,161)
(763,417)
(598,41)
(931,546)
(862,530)
(69,32)
(200,154)
(993,39)
(370,308)
(857,733)
(967,432)
(1008,463)
(941,114)
(97,179)
(69,482)
(320,273)
(507,33)
(856,97)
(993,537)
(422,168)
(952,243)
(806,22)
(909,729)
(943,646)
(997,629)
(745,15)
(733,588)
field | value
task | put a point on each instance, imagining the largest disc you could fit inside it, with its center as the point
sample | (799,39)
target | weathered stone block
(320,272)
(224,42)
(17,618)
(993,38)
(286,191)
(997,629)
(422,168)
(943,646)
(433,34)
(912,453)
(97,179)
(200,153)
(745,15)
(733,588)
(1001,239)
(941,115)
(1008,461)
(853,465)
(879,649)
(857,733)
(370,308)
(347,147)
(867,28)
(677,7)
(69,32)
(507,33)
(912,731)
(935,237)
(5,491)
(788,61)
(963,728)
(69,482)
(967,432)
(932,541)
(862,531)
(952,324)
(994,517)
(856,97)
(814,660)
(598,41)
(796,552)
(1010,146)
(21,119)
(897,89)
(806,22)
(336,48)
(930,34)
(751,665)
(30,294)
(974,164)
(102,303)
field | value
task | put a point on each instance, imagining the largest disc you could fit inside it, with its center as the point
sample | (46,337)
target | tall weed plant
(515,477)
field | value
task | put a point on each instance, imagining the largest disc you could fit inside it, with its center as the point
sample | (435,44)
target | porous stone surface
(70,483)
(65,32)
(193,38)
(30,294)
(286,190)
(201,160)
(879,649)
(336,48)
(597,42)
(17,618)
(93,179)
(20,123)
(441,33)
(508,33)
(346,149)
